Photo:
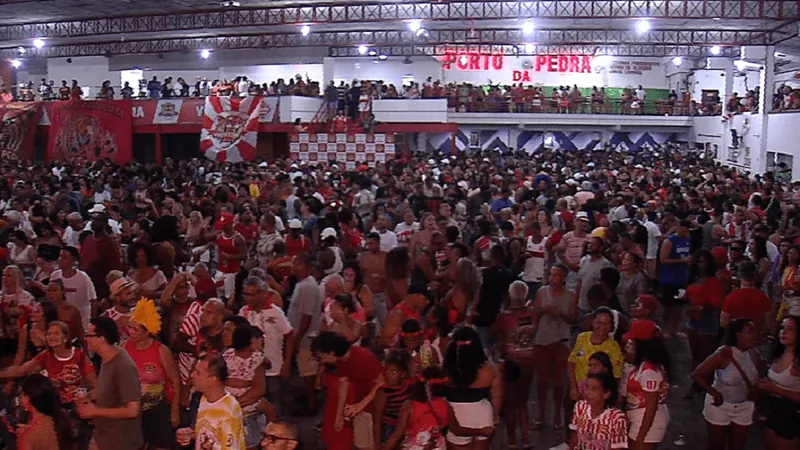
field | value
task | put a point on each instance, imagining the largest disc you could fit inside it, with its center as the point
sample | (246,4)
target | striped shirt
(607,431)
(395,396)
(190,326)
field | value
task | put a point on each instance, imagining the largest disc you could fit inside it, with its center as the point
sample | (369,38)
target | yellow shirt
(584,349)
(219,425)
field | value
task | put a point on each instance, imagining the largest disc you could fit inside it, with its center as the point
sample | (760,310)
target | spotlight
(530,48)
(15,63)
(371,52)
(528,27)
(38,43)
(422,33)
(305,29)
(205,54)
(716,50)
(677,60)
(362,49)
(21,50)
(414,25)
(643,26)
(383,57)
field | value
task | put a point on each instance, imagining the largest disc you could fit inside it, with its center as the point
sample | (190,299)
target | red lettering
(449,58)
(552,63)
(516,76)
(497,61)
(573,63)
(563,63)
(526,76)
(474,61)
(541,60)
(484,62)
(462,62)
(586,64)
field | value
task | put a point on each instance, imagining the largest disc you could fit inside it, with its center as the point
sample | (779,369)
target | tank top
(521,332)
(152,375)
(338,262)
(553,329)
(785,379)
(425,428)
(534,265)
(729,382)
(677,274)
(485,248)
(708,236)
(395,396)
(228,245)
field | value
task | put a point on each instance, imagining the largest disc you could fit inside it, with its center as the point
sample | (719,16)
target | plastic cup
(184,436)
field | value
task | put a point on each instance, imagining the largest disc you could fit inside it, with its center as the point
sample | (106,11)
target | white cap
(590,164)
(97,208)
(328,232)
(296,224)
(582,215)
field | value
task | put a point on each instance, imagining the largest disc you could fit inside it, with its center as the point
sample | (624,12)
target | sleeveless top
(152,375)
(677,274)
(521,332)
(457,394)
(424,431)
(228,245)
(395,396)
(785,379)
(535,265)
(553,329)
(729,382)
(485,247)
(338,262)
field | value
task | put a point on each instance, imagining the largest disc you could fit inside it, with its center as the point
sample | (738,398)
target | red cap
(225,218)
(642,330)
(649,302)
(719,253)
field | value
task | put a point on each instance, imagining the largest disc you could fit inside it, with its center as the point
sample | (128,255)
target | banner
(230,128)
(90,130)
(18,130)
(350,149)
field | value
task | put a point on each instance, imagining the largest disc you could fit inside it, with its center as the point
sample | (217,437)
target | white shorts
(229,283)
(727,413)
(471,415)
(657,430)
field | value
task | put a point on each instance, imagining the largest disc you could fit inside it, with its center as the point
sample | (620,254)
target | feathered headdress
(146,314)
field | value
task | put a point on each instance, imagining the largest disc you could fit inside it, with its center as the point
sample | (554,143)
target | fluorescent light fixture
(305,30)
(422,32)
(643,26)
(21,50)
(716,50)
(528,27)
(15,63)
(383,57)
(372,53)
(38,43)
(530,48)
(677,60)
(362,49)
(205,54)
(414,25)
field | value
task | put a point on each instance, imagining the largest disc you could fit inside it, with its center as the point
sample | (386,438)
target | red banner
(230,128)
(17,130)
(90,130)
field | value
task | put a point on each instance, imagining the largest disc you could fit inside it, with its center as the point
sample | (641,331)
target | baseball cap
(225,218)
(296,224)
(328,232)
(120,285)
(642,330)
(582,215)
(649,302)
(97,208)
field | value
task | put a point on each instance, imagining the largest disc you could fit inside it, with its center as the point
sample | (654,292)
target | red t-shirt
(297,245)
(362,368)
(750,303)
(67,375)
(250,232)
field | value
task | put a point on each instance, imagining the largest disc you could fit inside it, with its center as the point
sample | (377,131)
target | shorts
(228,283)
(307,364)
(728,413)
(156,426)
(670,295)
(471,415)
(551,363)
(253,424)
(362,430)
(657,430)
(783,417)
(386,432)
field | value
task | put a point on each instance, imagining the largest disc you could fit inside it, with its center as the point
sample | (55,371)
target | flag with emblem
(230,128)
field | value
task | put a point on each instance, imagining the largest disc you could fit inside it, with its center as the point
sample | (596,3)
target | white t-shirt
(71,237)
(388,240)
(102,197)
(79,291)
(403,231)
(273,323)
(641,94)
(653,234)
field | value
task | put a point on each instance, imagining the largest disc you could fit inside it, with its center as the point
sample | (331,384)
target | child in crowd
(424,415)
(597,423)
(599,364)
(391,397)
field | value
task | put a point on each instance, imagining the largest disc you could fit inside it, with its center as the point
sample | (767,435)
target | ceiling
(83,27)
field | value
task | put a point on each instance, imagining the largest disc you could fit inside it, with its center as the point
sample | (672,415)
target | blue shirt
(498,204)
(677,274)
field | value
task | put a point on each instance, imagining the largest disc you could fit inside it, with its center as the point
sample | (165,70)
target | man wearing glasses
(281,435)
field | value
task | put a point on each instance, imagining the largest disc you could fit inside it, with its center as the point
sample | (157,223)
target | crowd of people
(417,304)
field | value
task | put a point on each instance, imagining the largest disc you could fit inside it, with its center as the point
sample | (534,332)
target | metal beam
(342,13)
(671,40)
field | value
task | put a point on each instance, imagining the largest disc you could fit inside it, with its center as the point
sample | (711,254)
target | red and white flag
(230,128)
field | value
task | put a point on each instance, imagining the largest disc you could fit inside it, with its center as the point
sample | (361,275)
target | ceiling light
(15,63)
(528,27)
(305,29)
(716,50)
(421,33)
(205,54)
(371,52)
(530,48)
(21,50)
(643,26)
(38,43)
(677,60)
(383,57)
(362,49)
(414,25)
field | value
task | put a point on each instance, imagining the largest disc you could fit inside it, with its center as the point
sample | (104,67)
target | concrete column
(327,71)
(766,82)
(728,68)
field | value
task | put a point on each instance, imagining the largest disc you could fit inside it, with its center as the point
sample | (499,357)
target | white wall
(269,73)
(783,136)
(390,71)
(90,71)
(706,79)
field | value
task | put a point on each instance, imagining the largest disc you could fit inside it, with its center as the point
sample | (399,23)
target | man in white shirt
(243,87)
(78,287)
(270,319)
(641,93)
(72,233)
(388,238)
(101,193)
(98,208)
(653,235)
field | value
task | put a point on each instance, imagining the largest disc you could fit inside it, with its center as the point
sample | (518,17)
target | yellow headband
(146,314)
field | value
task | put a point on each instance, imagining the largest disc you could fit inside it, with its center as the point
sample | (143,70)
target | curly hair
(464,357)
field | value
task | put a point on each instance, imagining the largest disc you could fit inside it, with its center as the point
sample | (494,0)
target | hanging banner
(230,128)
(90,130)
(17,130)
(350,149)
